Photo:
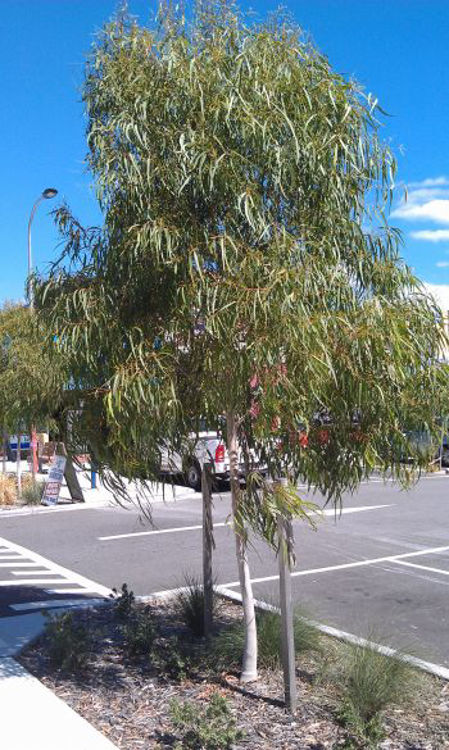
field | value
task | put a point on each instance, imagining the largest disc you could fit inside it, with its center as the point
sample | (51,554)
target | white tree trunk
(249,667)
(5,450)
(19,468)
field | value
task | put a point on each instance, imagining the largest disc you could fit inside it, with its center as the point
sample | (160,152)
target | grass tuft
(189,605)
(372,682)
(228,645)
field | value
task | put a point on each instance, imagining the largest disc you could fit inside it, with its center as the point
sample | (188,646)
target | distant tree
(31,381)
(245,267)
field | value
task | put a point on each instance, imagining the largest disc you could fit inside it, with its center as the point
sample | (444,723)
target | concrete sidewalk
(34,718)
(101,496)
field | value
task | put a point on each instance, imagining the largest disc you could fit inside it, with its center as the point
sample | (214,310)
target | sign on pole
(54,481)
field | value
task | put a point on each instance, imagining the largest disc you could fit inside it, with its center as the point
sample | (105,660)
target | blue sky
(396,49)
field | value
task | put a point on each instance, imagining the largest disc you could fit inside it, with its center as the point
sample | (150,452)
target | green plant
(32,490)
(139,634)
(205,728)
(189,605)
(68,642)
(174,661)
(124,603)
(228,644)
(8,491)
(227,647)
(372,681)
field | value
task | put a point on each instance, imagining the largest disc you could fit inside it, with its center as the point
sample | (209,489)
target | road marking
(72,591)
(422,567)
(342,635)
(32,572)
(11,557)
(69,575)
(346,566)
(157,531)
(198,527)
(31,582)
(18,564)
(53,604)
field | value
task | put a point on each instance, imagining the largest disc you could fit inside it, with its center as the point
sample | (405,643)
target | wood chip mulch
(129,700)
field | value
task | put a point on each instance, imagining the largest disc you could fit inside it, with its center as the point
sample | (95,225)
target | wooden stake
(208,545)
(285,534)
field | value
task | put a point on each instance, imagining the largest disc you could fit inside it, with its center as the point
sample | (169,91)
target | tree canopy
(245,266)
(31,377)
(244,190)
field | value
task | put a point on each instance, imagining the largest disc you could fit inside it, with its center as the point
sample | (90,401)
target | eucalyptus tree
(31,381)
(245,266)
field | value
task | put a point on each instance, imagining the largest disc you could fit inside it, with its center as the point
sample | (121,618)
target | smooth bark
(19,468)
(5,451)
(249,666)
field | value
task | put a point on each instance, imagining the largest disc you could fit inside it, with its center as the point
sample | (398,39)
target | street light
(45,195)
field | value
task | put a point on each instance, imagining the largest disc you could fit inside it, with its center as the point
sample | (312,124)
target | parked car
(423,444)
(209,446)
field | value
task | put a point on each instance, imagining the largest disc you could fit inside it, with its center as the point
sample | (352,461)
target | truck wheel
(193,476)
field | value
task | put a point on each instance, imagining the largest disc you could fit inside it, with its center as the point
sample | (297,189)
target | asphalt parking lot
(381,569)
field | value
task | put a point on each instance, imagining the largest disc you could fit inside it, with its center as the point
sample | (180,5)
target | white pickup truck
(206,446)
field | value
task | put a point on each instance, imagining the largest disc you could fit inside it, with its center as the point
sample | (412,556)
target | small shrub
(68,642)
(32,490)
(372,682)
(8,491)
(205,728)
(189,605)
(124,603)
(139,634)
(174,661)
(227,648)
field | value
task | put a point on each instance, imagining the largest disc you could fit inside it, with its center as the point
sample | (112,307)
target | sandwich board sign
(54,481)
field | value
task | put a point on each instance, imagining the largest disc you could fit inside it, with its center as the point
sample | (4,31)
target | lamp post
(46,194)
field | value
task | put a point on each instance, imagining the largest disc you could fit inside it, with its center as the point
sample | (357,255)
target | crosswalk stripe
(31,581)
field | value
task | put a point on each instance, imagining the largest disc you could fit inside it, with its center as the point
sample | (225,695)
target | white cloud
(430,182)
(434,210)
(441,294)
(442,264)
(431,235)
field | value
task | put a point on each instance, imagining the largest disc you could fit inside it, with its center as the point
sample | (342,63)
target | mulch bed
(129,700)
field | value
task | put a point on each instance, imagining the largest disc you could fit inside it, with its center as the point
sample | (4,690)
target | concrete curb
(426,666)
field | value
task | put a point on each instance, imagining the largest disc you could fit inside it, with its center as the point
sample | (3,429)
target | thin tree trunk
(33,447)
(249,669)
(5,451)
(19,470)
(208,545)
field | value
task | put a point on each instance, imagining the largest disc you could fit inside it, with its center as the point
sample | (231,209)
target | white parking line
(346,566)
(157,531)
(198,527)
(422,567)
